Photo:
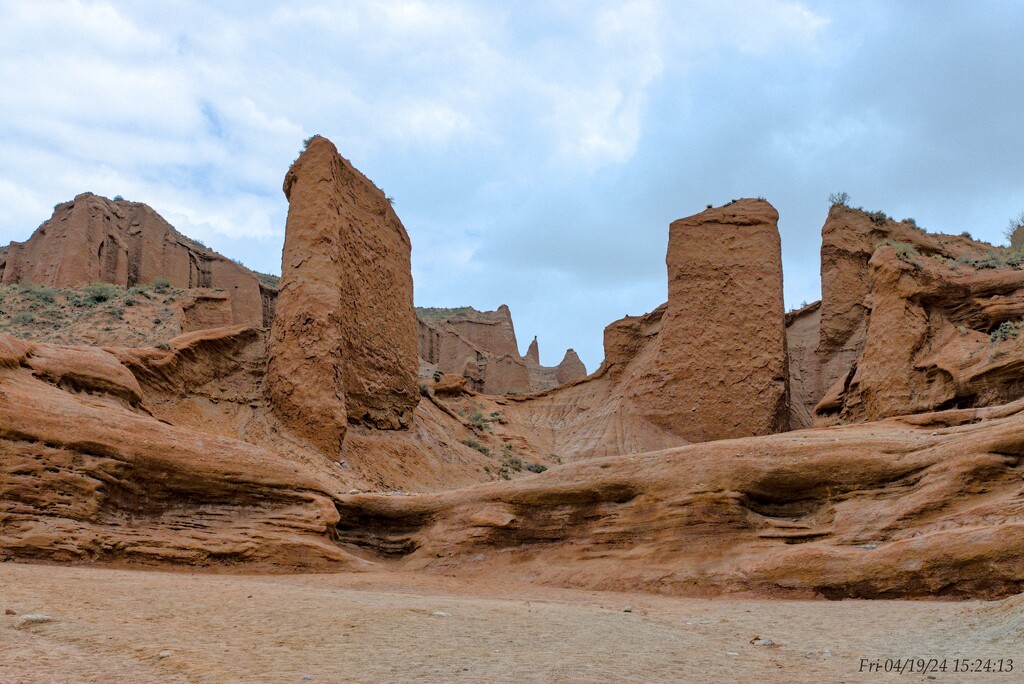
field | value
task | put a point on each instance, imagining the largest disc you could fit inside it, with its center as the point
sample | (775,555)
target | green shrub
(1014,232)
(839,198)
(536,467)
(478,421)
(23,318)
(1007,330)
(44,294)
(96,293)
(473,444)
(161,284)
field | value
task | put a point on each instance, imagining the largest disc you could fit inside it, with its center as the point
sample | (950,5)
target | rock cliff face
(194,453)
(481,346)
(929,506)
(343,340)
(710,363)
(93,239)
(940,334)
(721,370)
(890,295)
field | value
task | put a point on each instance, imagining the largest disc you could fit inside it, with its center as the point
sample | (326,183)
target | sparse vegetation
(839,198)
(269,280)
(1014,232)
(475,444)
(97,293)
(905,252)
(1007,330)
(161,284)
(536,467)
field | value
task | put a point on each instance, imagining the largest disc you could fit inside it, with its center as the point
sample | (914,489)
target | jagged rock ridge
(482,347)
(93,239)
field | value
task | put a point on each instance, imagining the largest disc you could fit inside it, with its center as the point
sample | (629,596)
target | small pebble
(165,654)
(441,613)
(762,642)
(32,619)
(9,612)
(627,609)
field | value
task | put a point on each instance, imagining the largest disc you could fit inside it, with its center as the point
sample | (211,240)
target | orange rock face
(481,346)
(904,322)
(722,369)
(570,369)
(925,507)
(93,239)
(343,338)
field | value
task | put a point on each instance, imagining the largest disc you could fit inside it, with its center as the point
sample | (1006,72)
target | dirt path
(135,626)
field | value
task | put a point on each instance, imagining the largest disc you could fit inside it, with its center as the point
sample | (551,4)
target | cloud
(537,151)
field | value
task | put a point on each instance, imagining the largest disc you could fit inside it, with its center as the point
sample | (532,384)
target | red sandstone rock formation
(828,384)
(482,347)
(93,239)
(848,239)
(343,339)
(802,328)
(570,368)
(930,506)
(723,370)
(479,345)
(710,363)
(939,334)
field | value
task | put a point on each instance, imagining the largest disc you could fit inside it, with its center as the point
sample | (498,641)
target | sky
(536,151)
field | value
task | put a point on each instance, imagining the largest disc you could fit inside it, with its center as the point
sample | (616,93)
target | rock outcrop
(891,294)
(802,328)
(93,239)
(930,506)
(723,334)
(710,363)
(343,339)
(940,334)
(87,475)
(570,368)
(481,346)
(849,238)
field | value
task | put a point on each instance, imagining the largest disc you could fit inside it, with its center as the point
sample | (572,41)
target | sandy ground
(143,626)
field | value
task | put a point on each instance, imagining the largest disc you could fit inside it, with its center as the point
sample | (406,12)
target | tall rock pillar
(721,365)
(343,339)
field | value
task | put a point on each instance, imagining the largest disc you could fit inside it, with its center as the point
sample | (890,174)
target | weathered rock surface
(87,475)
(343,340)
(930,340)
(481,346)
(903,325)
(570,368)
(926,507)
(802,337)
(93,239)
(723,334)
(849,238)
